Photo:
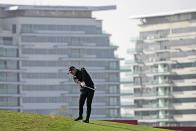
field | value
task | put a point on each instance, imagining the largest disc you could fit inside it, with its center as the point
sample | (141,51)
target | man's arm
(83,70)
(78,82)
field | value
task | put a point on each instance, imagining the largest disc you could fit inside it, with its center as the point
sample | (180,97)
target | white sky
(117,22)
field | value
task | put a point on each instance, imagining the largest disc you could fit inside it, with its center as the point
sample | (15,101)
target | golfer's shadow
(99,124)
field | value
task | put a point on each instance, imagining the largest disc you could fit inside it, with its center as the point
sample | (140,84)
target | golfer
(86,88)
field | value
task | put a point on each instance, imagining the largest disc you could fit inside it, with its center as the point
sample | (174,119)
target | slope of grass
(14,121)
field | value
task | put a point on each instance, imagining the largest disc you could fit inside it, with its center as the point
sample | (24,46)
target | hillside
(14,121)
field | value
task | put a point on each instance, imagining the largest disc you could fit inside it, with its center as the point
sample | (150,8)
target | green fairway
(14,121)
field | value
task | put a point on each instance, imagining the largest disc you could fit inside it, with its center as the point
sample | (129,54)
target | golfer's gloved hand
(82,84)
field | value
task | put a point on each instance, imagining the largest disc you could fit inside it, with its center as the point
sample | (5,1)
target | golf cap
(71,68)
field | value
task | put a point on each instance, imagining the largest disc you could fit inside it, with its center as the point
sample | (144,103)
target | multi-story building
(38,44)
(126,86)
(165,70)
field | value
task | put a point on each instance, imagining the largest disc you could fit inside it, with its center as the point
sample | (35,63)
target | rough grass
(14,121)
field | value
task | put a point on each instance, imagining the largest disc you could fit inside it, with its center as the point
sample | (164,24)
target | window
(113,77)
(44,99)
(2,52)
(8,89)
(113,101)
(7,40)
(11,64)
(113,112)
(113,89)
(69,28)
(113,65)
(75,53)
(11,53)
(8,101)
(14,28)
(2,64)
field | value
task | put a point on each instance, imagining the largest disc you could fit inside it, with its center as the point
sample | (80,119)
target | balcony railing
(146,106)
(156,60)
(155,50)
(149,105)
(147,117)
(156,71)
(144,94)
(153,95)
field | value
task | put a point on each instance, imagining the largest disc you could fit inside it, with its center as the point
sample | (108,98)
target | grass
(15,121)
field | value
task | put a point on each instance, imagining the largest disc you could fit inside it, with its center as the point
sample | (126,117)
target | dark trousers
(87,94)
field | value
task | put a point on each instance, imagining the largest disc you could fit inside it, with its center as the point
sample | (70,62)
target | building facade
(165,70)
(39,43)
(126,86)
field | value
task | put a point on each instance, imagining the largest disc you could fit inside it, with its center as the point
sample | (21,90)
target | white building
(36,42)
(165,70)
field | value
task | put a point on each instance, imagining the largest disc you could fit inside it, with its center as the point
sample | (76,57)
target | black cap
(71,68)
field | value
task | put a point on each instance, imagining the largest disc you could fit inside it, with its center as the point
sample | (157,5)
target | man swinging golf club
(87,90)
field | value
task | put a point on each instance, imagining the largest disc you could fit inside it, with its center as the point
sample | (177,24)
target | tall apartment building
(165,70)
(37,42)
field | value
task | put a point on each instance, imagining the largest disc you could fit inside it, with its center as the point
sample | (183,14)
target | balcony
(156,39)
(152,96)
(145,94)
(182,106)
(160,73)
(186,59)
(152,84)
(166,116)
(146,117)
(187,117)
(183,47)
(158,83)
(153,107)
(155,119)
(158,61)
(159,50)
(182,71)
(184,94)
(185,82)
(168,37)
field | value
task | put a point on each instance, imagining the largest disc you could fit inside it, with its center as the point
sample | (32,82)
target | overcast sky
(117,22)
